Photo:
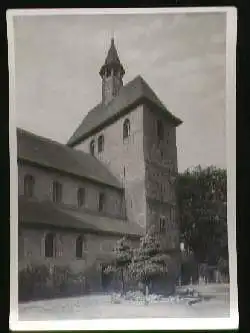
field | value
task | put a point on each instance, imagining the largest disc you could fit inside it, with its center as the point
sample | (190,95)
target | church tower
(134,135)
(111,73)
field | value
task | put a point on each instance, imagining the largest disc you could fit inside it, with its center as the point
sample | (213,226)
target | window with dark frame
(126,129)
(101,202)
(162,224)
(100,143)
(92,147)
(49,245)
(29,183)
(160,131)
(81,194)
(57,192)
(79,246)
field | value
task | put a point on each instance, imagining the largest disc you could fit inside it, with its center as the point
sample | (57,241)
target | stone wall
(125,159)
(161,170)
(114,199)
(97,251)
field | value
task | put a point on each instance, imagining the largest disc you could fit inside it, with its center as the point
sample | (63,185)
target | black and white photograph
(122,153)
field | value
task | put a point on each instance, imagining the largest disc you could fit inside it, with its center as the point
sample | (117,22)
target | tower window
(100,143)
(49,245)
(101,202)
(29,183)
(108,73)
(162,224)
(126,129)
(57,192)
(81,197)
(79,246)
(160,131)
(92,147)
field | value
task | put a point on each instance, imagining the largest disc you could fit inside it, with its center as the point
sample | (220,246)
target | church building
(114,177)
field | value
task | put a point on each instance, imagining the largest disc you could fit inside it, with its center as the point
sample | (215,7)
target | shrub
(33,281)
(36,282)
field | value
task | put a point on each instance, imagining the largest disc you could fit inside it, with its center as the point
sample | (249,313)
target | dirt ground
(100,307)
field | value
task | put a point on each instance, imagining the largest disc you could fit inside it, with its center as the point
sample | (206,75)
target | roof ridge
(134,91)
(76,156)
(48,140)
(40,137)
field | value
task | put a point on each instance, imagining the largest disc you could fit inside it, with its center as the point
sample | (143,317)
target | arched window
(29,183)
(57,192)
(92,147)
(81,197)
(160,131)
(49,245)
(162,224)
(100,143)
(126,129)
(79,246)
(101,202)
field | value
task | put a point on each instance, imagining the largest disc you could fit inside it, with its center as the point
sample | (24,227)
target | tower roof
(112,60)
(134,93)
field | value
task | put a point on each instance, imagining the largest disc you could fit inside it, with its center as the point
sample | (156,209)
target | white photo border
(127,324)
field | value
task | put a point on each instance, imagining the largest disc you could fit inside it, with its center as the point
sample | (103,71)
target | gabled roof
(46,213)
(134,93)
(51,154)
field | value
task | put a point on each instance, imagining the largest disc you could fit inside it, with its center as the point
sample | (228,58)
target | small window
(108,73)
(79,246)
(92,147)
(162,224)
(29,183)
(124,172)
(49,245)
(81,197)
(100,143)
(160,131)
(126,129)
(57,192)
(101,202)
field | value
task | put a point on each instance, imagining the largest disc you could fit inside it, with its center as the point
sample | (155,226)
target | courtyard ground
(100,307)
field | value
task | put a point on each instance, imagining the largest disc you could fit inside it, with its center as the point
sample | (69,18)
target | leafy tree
(149,261)
(122,255)
(202,198)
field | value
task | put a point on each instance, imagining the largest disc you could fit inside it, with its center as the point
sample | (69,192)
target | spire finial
(112,36)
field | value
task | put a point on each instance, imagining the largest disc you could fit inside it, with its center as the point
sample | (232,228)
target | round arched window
(126,129)
(92,147)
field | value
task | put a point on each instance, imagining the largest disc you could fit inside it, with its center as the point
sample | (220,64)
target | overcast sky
(181,56)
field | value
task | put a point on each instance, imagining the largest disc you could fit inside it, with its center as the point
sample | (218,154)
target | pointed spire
(112,60)
(112,57)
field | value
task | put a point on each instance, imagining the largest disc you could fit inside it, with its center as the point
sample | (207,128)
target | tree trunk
(122,278)
(146,294)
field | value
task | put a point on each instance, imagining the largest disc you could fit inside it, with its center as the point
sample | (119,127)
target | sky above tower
(181,56)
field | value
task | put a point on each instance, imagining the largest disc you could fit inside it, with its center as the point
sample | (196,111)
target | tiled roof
(46,213)
(134,93)
(48,153)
